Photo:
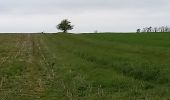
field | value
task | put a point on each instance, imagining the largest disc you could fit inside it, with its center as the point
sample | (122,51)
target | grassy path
(22,73)
(84,67)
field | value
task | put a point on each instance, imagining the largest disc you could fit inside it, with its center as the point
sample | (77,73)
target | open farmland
(85,66)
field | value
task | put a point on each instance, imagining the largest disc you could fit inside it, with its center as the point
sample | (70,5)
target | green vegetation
(85,66)
(65,25)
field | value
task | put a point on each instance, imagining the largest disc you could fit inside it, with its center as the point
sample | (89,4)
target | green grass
(85,66)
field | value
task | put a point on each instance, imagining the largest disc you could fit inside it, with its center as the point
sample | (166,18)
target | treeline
(154,29)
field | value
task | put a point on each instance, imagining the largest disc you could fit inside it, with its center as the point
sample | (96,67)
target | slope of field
(85,66)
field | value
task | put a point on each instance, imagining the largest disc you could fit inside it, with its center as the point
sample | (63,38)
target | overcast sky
(86,15)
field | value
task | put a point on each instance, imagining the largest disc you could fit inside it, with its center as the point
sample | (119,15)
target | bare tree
(138,30)
(156,29)
(144,29)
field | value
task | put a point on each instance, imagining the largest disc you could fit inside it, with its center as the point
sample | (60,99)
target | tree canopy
(65,25)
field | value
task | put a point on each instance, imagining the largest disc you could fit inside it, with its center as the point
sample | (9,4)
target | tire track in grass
(52,75)
(47,72)
(10,54)
(50,54)
(30,78)
(35,76)
(9,61)
(47,65)
(26,79)
(19,48)
(10,57)
(30,84)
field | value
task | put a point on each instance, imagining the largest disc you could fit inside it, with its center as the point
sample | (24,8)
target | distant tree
(156,29)
(166,29)
(162,29)
(149,29)
(65,25)
(138,30)
(145,29)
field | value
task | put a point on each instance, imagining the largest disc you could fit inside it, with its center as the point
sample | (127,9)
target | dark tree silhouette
(65,25)
(156,29)
(149,29)
(138,30)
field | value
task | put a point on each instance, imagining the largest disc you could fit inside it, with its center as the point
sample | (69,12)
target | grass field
(85,66)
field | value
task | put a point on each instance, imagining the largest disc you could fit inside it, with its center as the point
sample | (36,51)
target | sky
(85,15)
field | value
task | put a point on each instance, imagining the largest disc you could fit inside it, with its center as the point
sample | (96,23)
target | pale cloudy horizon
(87,16)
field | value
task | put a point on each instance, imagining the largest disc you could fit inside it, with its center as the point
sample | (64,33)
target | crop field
(99,66)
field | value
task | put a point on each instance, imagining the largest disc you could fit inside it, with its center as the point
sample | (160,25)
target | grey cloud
(58,6)
(102,15)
